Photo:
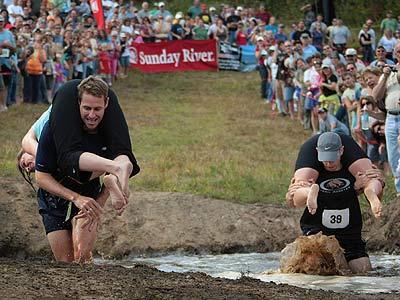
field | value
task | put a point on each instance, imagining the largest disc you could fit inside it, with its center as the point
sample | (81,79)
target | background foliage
(353,12)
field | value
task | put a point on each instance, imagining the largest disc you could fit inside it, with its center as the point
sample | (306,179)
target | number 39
(336,219)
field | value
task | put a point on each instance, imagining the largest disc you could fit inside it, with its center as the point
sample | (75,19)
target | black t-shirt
(328,92)
(206,18)
(338,211)
(337,200)
(308,156)
(297,34)
(367,38)
(280,62)
(178,30)
(46,161)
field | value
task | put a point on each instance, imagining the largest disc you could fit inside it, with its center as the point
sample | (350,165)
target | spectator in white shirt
(14,10)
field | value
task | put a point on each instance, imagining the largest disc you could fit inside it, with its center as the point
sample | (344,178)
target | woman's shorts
(288,92)
(49,82)
(124,61)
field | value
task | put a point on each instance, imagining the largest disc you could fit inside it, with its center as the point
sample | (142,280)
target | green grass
(201,133)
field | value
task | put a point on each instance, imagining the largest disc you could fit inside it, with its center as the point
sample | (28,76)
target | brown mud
(161,223)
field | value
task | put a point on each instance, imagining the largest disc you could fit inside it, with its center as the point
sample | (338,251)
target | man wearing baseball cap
(331,170)
(162,11)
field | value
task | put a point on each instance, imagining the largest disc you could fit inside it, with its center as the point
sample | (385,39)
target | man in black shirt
(71,206)
(330,170)
(232,24)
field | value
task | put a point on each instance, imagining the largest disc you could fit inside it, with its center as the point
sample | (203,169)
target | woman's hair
(373,70)
(25,174)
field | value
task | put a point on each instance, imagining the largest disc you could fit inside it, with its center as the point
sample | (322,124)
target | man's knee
(360,265)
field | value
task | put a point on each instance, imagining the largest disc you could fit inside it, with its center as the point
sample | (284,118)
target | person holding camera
(387,91)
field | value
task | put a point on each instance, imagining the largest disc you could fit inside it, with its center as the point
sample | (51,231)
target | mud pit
(39,280)
(161,223)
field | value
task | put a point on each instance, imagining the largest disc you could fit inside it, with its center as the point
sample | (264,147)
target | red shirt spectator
(104,62)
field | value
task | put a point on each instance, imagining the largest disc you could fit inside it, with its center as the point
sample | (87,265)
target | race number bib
(336,218)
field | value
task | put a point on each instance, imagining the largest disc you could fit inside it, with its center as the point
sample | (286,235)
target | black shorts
(353,245)
(54,212)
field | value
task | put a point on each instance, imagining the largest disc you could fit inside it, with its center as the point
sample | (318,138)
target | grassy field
(201,133)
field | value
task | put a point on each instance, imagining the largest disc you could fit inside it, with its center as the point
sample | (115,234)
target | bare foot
(118,200)
(376,205)
(312,204)
(123,176)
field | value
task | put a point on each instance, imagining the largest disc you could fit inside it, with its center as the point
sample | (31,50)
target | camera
(392,68)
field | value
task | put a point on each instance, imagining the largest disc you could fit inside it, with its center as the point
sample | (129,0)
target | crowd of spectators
(328,80)
(309,70)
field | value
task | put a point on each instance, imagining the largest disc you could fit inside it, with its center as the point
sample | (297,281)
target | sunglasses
(350,69)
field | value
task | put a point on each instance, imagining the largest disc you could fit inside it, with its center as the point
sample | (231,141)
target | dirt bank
(160,222)
(166,222)
(46,280)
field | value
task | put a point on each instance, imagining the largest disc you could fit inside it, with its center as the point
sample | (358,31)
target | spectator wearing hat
(204,15)
(389,22)
(340,36)
(125,54)
(162,11)
(329,123)
(195,9)
(177,31)
(380,54)
(388,41)
(329,98)
(351,58)
(308,50)
(213,14)
(280,34)
(136,37)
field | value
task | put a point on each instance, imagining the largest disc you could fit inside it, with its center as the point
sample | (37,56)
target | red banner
(97,10)
(175,56)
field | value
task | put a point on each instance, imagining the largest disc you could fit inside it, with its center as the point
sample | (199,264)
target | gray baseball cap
(328,146)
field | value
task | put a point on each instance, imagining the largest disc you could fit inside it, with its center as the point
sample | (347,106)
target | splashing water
(264,266)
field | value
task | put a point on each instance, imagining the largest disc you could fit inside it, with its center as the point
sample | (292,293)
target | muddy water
(264,266)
